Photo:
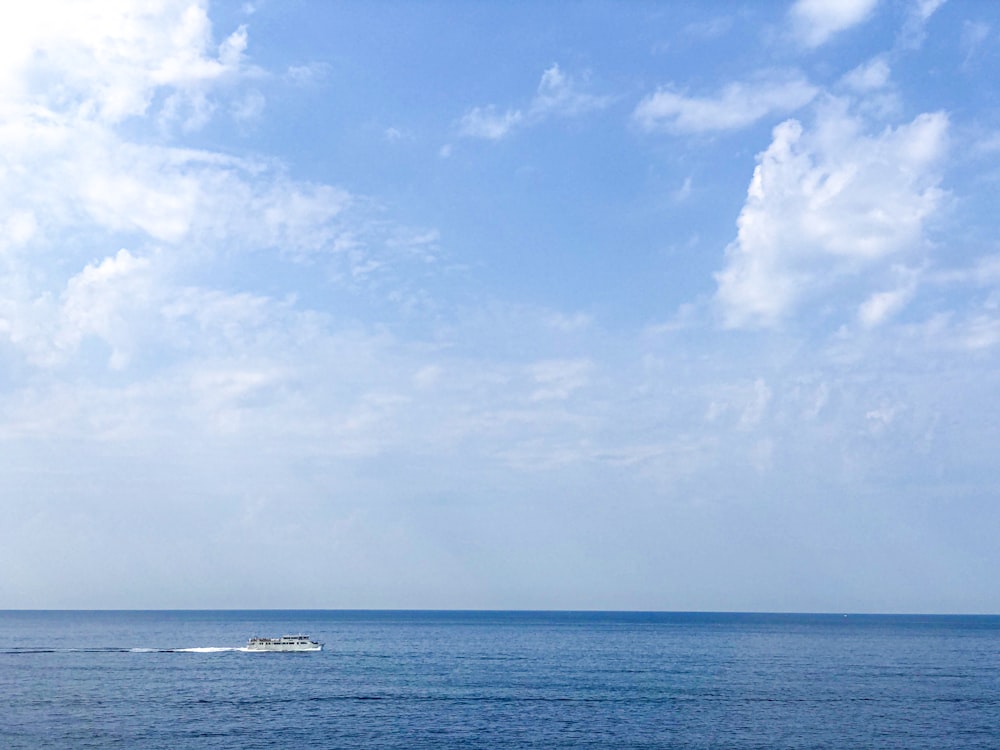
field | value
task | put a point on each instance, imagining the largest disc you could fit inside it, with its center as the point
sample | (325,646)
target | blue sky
(664,306)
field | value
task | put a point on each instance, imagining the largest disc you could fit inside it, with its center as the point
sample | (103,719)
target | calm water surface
(498,680)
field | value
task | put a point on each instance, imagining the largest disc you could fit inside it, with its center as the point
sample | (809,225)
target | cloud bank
(195,335)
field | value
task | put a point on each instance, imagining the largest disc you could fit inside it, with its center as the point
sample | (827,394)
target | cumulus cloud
(736,106)
(106,59)
(815,21)
(558,95)
(825,204)
(70,74)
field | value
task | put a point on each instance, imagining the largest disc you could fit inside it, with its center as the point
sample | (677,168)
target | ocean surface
(179,680)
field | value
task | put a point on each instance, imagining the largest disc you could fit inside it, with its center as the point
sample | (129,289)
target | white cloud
(107,301)
(18,228)
(880,419)
(485,122)
(912,34)
(85,175)
(882,305)
(736,106)
(102,301)
(224,394)
(304,75)
(924,9)
(132,307)
(988,143)
(871,84)
(557,96)
(105,59)
(870,76)
(682,193)
(825,204)
(72,187)
(73,72)
(815,21)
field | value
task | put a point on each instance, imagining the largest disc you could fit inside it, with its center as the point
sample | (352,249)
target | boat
(284,643)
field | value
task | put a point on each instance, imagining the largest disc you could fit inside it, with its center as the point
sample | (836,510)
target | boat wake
(137,650)
(118,650)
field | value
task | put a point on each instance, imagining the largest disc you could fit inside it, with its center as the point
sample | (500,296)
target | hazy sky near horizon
(595,305)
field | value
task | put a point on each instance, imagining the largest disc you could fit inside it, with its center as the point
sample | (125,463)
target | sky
(591,305)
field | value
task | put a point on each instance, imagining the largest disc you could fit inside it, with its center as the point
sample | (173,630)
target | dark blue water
(499,680)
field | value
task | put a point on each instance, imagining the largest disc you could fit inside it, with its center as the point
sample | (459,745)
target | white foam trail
(209,649)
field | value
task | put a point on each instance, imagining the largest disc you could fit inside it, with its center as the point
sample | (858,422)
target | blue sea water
(170,679)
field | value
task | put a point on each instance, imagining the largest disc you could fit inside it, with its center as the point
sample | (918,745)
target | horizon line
(459,610)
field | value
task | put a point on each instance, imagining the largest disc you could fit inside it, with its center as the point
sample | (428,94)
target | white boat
(285,643)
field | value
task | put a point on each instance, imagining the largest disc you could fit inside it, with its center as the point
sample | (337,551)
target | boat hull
(285,643)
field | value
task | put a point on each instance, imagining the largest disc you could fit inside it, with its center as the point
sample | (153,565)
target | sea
(393,679)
